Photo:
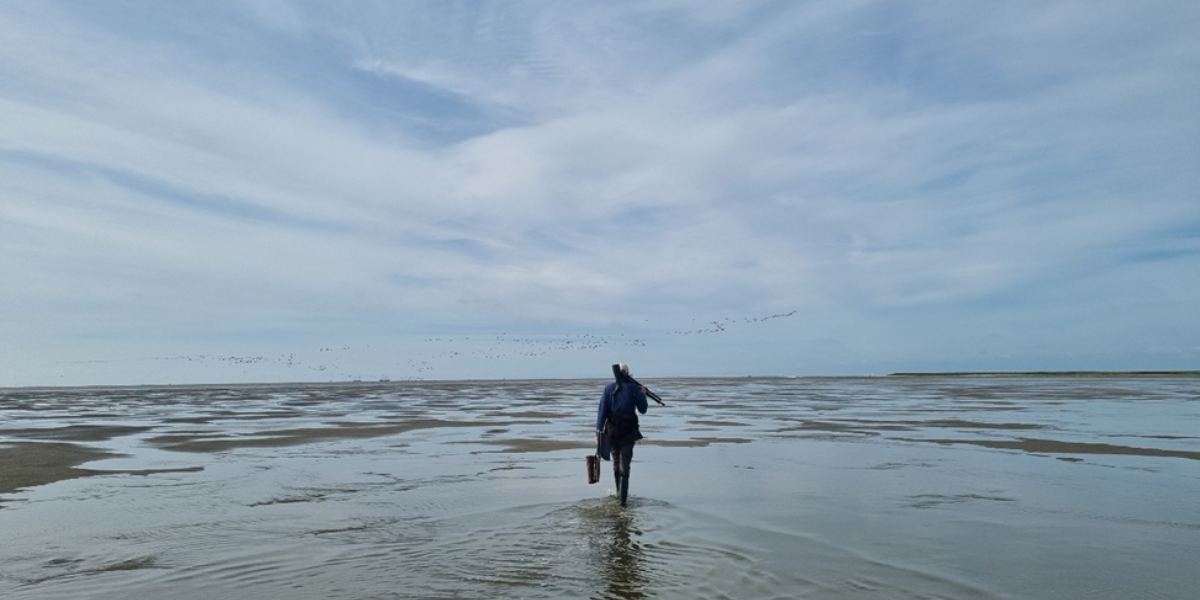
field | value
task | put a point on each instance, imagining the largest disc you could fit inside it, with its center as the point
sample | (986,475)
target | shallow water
(743,488)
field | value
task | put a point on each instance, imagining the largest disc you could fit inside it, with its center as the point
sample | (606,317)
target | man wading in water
(617,417)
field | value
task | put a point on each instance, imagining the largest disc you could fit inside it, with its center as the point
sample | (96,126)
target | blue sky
(211,192)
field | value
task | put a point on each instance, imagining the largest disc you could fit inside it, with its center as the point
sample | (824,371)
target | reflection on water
(613,535)
(623,562)
(747,488)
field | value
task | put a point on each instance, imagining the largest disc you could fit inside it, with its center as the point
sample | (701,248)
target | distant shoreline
(1050,374)
(400,382)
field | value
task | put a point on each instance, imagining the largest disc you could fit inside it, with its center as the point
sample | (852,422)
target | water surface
(892,488)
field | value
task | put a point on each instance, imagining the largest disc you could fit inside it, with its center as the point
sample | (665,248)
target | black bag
(604,447)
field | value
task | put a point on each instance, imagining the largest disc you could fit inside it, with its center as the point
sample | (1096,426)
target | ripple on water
(343,492)
(548,551)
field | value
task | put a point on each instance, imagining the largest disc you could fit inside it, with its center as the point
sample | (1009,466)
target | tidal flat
(888,487)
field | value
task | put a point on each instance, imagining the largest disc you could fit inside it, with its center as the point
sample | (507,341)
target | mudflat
(891,487)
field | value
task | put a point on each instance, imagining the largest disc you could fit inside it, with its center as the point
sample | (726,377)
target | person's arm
(602,412)
(639,399)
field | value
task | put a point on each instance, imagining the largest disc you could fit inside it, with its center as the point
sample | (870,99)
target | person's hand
(643,388)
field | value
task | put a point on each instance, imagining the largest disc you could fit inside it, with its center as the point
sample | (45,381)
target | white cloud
(393,166)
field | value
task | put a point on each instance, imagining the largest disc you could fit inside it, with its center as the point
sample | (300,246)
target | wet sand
(32,464)
(1039,446)
(29,464)
(908,487)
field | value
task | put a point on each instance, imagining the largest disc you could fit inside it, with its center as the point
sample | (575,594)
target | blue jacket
(627,398)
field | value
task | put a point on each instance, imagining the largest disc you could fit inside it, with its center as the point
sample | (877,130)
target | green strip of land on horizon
(1052,374)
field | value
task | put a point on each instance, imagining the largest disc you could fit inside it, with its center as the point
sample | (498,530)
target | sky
(276,191)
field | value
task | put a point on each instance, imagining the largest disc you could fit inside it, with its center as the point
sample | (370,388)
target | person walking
(618,418)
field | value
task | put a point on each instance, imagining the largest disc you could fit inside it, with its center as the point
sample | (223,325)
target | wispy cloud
(1014,180)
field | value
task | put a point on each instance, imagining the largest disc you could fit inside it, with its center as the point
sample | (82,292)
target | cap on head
(624,368)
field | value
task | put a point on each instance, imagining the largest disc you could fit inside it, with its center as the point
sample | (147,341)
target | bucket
(593,468)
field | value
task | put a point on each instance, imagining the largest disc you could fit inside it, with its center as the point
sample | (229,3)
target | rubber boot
(617,483)
(624,489)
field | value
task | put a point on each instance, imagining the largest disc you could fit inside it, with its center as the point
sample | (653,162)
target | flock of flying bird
(450,348)
(719,325)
